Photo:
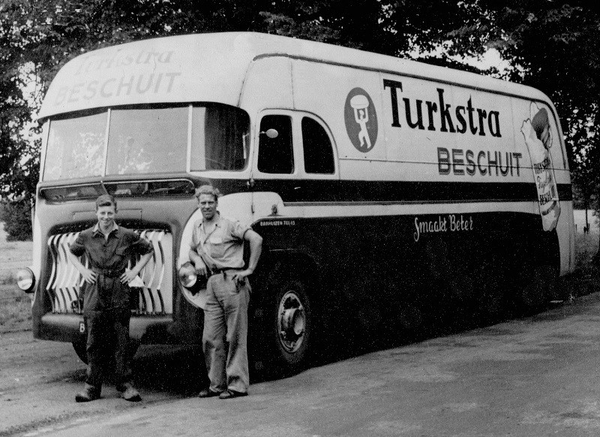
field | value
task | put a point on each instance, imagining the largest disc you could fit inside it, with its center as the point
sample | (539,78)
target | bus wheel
(292,324)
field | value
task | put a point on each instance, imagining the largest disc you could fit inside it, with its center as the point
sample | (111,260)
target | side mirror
(271,133)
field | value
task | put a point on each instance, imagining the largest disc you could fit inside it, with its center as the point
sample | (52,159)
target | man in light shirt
(217,251)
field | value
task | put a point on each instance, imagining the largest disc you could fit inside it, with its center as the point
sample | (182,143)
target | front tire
(287,324)
(293,323)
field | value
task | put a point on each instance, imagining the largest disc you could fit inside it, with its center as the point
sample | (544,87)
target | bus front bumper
(70,328)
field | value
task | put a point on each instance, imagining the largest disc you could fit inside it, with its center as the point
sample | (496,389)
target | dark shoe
(89,393)
(207,393)
(129,393)
(230,394)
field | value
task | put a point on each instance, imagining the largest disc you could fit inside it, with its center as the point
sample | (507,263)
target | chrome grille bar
(155,298)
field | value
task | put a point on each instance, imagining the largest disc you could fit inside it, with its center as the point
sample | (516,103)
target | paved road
(536,376)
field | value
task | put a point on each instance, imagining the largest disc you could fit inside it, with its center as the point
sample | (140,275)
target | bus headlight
(187,275)
(25,280)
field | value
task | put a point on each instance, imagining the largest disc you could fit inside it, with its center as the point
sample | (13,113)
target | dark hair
(106,200)
(210,190)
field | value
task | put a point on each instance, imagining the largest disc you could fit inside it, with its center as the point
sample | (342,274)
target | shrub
(16,216)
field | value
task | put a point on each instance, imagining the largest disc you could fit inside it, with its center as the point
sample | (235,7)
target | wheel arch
(285,264)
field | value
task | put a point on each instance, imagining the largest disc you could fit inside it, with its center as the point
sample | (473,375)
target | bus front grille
(154,298)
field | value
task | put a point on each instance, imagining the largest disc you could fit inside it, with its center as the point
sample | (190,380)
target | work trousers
(225,335)
(108,337)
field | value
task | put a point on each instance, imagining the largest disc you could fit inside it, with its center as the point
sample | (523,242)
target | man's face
(106,216)
(208,206)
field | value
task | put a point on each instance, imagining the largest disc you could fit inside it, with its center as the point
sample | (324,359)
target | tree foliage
(550,44)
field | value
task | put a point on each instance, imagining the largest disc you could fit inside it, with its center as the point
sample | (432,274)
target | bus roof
(212,67)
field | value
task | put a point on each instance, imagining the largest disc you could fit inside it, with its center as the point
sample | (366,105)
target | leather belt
(111,273)
(224,270)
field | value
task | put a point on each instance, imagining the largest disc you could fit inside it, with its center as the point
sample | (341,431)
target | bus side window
(276,155)
(318,152)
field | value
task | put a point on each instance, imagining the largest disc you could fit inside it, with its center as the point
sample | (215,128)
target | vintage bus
(390,194)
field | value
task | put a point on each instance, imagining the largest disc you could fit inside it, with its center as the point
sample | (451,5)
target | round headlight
(187,275)
(25,280)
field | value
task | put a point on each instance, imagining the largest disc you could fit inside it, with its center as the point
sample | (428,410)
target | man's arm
(255,241)
(88,275)
(130,275)
(198,263)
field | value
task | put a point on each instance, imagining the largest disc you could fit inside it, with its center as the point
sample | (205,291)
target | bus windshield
(145,141)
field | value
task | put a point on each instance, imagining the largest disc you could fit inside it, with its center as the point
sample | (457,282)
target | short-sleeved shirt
(108,257)
(223,248)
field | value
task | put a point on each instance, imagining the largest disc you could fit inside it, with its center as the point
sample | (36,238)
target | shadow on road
(180,370)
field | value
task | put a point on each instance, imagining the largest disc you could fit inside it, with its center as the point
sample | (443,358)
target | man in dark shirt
(108,249)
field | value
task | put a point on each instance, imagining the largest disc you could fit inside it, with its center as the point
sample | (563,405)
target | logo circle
(361,120)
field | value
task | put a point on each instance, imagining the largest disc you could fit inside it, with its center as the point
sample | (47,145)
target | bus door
(294,164)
